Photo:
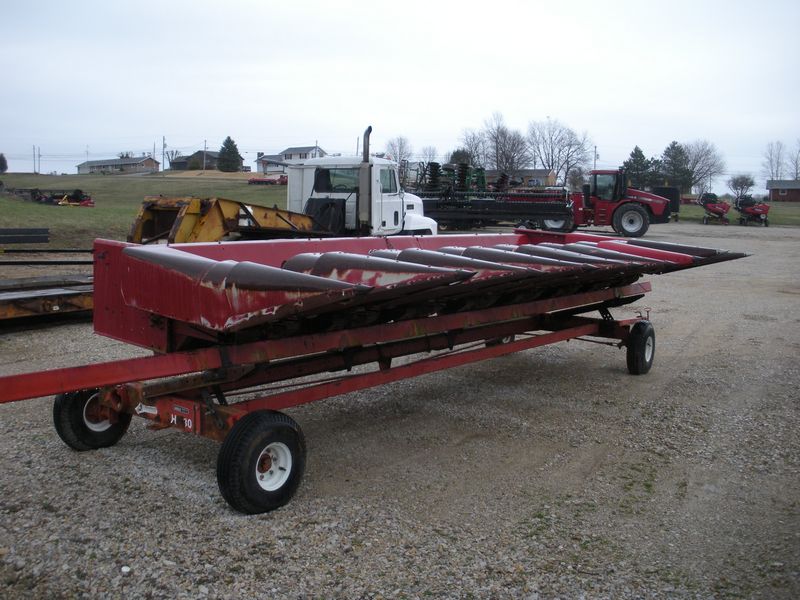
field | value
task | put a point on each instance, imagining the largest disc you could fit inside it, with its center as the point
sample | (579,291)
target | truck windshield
(336,180)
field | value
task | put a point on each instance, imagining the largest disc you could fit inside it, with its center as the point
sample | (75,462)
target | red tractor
(607,200)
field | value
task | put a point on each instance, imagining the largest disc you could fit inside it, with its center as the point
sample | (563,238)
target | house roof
(270,158)
(783,184)
(116,162)
(301,149)
(209,154)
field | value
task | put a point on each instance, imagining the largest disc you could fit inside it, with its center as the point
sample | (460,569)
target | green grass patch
(117,200)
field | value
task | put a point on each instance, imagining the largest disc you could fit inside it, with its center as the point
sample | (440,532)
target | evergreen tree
(229,159)
(460,155)
(3,163)
(637,168)
(675,167)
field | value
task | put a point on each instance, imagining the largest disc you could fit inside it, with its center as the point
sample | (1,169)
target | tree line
(781,162)
(552,145)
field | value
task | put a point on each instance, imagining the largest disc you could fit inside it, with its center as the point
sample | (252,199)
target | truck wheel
(80,424)
(631,220)
(261,462)
(641,348)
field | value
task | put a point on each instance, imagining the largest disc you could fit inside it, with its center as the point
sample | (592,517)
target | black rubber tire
(641,348)
(565,225)
(499,341)
(238,461)
(73,428)
(627,211)
(766,222)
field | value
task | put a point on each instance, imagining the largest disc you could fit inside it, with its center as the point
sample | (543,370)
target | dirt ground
(546,473)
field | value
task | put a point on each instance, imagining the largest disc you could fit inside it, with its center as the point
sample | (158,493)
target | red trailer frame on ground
(254,321)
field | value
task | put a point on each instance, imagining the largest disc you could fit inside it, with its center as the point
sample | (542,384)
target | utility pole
(39,154)
(205,147)
(34,159)
(163,151)
(595,157)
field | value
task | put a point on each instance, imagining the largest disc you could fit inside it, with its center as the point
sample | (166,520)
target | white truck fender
(414,223)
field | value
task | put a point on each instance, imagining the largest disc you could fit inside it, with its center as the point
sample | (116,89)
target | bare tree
(506,149)
(556,147)
(705,163)
(794,162)
(399,149)
(126,154)
(475,146)
(774,158)
(740,185)
(428,154)
(576,178)
(172,155)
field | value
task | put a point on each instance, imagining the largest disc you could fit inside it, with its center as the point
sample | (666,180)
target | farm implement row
(242,330)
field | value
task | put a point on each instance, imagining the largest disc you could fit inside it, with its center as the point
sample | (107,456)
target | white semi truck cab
(352,196)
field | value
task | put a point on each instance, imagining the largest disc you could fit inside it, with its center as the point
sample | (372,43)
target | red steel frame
(183,401)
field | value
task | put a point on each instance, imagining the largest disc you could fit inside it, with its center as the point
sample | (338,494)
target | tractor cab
(609,186)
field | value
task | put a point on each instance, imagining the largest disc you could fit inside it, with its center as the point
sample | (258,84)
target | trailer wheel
(80,425)
(499,341)
(261,462)
(641,348)
(631,220)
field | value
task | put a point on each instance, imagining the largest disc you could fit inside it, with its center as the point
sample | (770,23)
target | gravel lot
(547,473)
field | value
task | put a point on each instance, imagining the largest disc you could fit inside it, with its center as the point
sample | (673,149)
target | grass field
(119,197)
(117,200)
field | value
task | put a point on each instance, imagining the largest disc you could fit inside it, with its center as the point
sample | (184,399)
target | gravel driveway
(547,473)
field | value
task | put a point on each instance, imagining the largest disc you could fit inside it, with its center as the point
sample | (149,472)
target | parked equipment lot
(549,471)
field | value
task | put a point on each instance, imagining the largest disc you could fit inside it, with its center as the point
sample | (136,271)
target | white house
(277,163)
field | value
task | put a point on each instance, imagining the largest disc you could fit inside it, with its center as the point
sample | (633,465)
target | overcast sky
(97,78)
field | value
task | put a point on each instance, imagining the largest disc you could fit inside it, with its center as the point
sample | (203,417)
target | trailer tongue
(240,329)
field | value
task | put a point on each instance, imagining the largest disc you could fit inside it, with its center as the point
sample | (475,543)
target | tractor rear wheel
(641,345)
(631,220)
(82,424)
(261,462)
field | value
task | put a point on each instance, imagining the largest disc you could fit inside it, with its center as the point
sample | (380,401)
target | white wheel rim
(632,221)
(649,346)
(93,424)
(554,223)
(273,467)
